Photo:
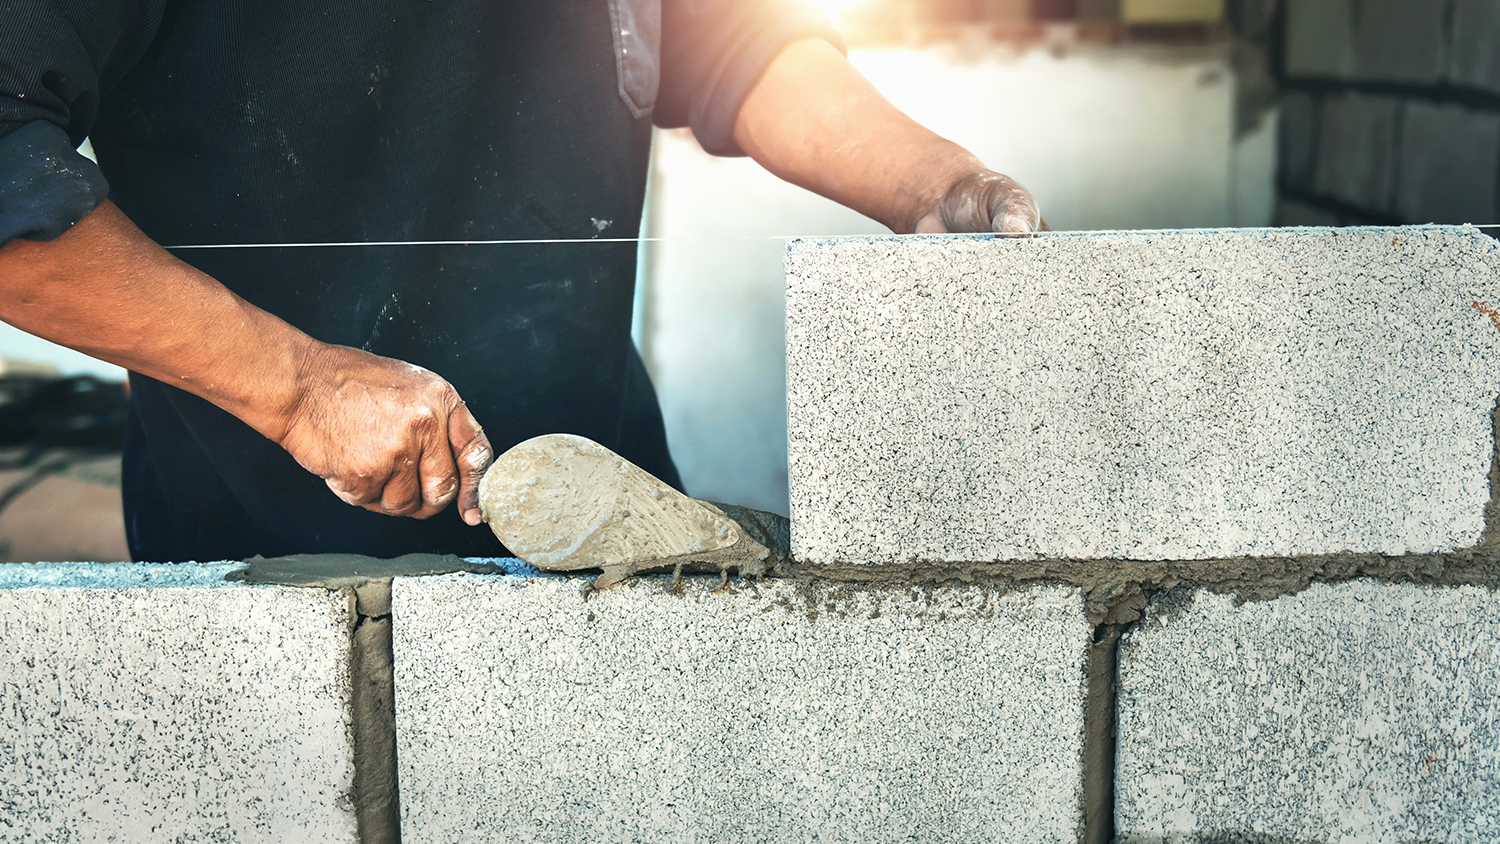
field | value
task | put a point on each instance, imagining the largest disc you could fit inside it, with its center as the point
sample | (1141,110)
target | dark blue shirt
(377,120)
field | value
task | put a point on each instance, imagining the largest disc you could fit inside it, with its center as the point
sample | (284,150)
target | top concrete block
(159,703)
(1150,395)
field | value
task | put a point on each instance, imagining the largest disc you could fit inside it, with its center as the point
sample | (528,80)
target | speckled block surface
(1356,712)
(764,714)
(1152,395)
(159,703)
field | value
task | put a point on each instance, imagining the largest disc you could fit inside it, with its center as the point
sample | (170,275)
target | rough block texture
(1401,40)
(1320,38)
(1357,149)
(1177,395)
(1450,165)
(764,714)
(1356,712)
(157,703)
(1474,61)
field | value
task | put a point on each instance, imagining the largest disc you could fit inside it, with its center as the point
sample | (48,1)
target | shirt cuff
(45,184)
(713,115)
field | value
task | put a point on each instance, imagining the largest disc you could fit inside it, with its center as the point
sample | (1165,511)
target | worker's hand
(984,201)
(386,436)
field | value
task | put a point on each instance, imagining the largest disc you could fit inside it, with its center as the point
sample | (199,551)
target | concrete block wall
(1148,537)
(1391,112)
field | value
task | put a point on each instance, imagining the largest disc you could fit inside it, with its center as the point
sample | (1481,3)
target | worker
(295,399)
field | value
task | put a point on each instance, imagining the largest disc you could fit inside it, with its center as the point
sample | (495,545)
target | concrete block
(1299,140)
(159,703)
(1473,60)
(1357,150)
(780,712)
(1146,395)
(1401,41)
(1356,711)
(1450,165)
(1320,38)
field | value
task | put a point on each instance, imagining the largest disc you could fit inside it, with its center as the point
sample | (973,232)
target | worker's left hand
(984,201)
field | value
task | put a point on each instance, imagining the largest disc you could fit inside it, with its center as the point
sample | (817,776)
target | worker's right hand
(385,435)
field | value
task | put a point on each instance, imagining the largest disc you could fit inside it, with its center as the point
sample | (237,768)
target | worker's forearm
(385,435)
(815,121)
(105,289)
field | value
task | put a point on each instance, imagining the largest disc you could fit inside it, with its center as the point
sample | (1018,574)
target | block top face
(1141,395)
(116,575)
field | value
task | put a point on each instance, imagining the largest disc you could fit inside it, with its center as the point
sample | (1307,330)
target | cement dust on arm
(385,435)
(816,122)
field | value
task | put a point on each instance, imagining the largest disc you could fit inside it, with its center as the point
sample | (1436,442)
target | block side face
(777,716)
(1170,395)
(1358,711)
(175,714)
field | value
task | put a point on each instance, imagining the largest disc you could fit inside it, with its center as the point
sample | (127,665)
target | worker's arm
(385,435)
(815,121)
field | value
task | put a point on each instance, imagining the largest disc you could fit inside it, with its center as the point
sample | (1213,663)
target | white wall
(1106,137)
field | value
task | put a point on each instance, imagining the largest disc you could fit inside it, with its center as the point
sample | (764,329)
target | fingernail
(473,517)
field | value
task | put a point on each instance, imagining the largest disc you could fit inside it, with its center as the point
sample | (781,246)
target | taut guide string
(537,241)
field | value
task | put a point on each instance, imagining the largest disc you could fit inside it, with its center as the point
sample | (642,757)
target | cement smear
(345,571)
(377,803)
(1099,737)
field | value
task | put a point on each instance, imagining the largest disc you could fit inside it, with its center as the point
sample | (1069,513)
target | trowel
(566,503)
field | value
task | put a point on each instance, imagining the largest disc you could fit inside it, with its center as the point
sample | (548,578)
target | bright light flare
(833,8)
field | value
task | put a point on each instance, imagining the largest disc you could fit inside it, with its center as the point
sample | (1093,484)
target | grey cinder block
(1146,395)
(1401,40)
(774,713)
(1474,61)
(158,703)
(1320,38)
(1356,711)
(1450,165)
(1356,157)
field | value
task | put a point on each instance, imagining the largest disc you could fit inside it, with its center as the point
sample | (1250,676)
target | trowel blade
(563,502)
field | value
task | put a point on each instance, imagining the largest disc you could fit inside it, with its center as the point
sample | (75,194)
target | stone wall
(1390,112)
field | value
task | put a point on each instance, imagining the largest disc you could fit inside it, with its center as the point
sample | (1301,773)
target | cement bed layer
(1354,712)
(1141,395)
(158,703)
(773,712)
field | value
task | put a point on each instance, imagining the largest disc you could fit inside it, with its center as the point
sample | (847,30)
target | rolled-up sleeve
(713,53)
(56,61)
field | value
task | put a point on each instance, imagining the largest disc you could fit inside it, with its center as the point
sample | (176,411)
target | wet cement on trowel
(372,699)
